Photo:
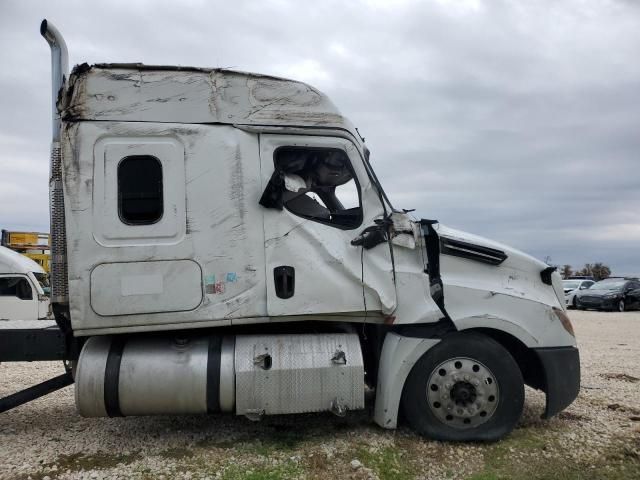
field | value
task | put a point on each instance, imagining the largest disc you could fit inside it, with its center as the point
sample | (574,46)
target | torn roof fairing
(145,93)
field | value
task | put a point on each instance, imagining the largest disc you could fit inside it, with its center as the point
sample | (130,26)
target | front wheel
(468,387)
(621,306)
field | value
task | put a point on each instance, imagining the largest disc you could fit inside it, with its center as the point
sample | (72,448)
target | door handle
(284,279)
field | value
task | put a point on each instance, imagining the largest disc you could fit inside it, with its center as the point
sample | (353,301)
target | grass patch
(484,476)
(77,462)
(520,457)
(561,470)
(389,463)
(289,470)
(262,442)
(98,461)
(177,453)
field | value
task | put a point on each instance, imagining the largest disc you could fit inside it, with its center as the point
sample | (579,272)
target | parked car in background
(572,286)
(615,293)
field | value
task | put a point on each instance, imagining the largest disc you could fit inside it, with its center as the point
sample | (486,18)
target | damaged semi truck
(221,243)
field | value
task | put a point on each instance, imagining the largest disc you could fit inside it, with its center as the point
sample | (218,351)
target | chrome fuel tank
(159,375)
(253,375)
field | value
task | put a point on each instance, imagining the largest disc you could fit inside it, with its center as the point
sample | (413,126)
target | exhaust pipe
(59,278)
(59,69)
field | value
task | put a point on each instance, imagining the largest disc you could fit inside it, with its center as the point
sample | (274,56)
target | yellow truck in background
(35,245)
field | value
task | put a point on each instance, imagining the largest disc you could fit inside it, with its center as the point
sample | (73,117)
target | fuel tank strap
(213,374)
(112,378)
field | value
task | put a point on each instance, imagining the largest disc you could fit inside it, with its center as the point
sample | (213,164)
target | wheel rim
(462,393)
(621,306)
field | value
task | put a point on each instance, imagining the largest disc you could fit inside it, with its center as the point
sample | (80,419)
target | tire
(482,387)
(574,302)
(620,307)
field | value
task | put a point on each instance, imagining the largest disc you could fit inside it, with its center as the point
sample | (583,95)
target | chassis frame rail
(32,341)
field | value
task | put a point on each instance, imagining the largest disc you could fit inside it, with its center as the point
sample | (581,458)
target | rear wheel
(468,387)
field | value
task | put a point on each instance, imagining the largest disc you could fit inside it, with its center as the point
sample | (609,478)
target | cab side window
(140,199)
(319,184)
(16,287)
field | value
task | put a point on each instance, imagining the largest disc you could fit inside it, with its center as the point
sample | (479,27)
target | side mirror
(272,195)
(370,237)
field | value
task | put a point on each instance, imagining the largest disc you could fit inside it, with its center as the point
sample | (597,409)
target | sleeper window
(320,185)
(140,190)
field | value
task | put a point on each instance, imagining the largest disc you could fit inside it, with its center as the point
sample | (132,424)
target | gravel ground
(596,437)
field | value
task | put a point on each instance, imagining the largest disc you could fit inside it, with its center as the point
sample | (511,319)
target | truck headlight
(564,320)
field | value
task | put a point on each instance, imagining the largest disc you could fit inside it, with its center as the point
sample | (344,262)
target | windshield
(571,283)
(608,285)
(374,178)
(43,280)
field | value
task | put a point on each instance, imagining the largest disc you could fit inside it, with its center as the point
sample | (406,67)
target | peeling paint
(135,92)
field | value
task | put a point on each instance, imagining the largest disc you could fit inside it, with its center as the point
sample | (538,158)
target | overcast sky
(518,121)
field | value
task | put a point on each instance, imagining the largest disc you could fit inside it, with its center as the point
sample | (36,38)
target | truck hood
(514,273)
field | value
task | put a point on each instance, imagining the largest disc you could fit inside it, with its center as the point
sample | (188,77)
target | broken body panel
(213,130)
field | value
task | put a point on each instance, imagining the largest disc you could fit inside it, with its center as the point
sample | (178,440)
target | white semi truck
(221,243)
(22,287)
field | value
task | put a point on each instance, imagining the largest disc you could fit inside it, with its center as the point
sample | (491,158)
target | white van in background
(22,288)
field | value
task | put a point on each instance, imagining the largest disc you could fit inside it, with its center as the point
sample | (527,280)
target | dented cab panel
(509,296)
(201,261)
(147,93)
(332,276)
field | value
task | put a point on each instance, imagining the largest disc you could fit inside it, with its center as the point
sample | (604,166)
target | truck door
(323,200)
(18,300)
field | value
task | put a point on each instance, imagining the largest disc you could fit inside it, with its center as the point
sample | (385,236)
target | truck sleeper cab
(225,232)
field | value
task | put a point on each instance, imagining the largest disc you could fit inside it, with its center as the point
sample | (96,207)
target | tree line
(596,270)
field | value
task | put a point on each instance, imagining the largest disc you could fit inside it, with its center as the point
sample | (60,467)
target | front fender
(399,355)
(532,322)
(497,323)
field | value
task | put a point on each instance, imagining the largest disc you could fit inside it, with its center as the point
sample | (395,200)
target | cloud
(514,120)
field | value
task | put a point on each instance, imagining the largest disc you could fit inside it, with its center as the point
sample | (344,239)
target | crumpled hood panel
(518,276)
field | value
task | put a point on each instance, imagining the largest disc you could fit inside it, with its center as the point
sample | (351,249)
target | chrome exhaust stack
(59,69)
(59,73)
